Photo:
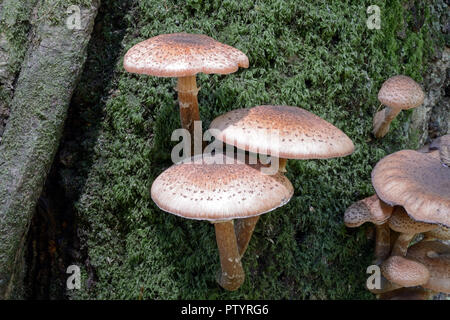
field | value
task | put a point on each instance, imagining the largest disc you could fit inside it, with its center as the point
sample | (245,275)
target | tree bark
(39,107)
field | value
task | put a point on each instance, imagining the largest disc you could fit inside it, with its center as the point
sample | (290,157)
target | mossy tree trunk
(39,107)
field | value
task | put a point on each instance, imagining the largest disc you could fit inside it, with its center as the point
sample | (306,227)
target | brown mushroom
(417,182)
(397,93)
(405,272)
(435,256)
(284,132)
(183,55)
(219,189)
(408,228)
(373,210)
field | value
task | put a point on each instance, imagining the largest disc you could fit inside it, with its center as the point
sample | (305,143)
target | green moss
(15,24)
(316,55)
(51,10)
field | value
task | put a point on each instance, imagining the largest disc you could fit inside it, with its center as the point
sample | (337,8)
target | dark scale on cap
(283,131)
(222,187)
(183,54)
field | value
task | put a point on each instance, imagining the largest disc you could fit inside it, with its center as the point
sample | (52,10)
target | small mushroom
(284,132)
(408,228)
(435,256)
(405,272)
(417,182)
(183,55)
(397,93)
(219,189)
(373,210)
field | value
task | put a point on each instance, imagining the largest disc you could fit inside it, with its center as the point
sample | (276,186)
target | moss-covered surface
(318,55)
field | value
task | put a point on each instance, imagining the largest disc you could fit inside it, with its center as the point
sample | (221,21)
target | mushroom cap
(183,54)
(401,92)
(401,222)
(282,131)
(435,256)
(441,232)
(404,272)
(370,209)
(416,181)
(218,188)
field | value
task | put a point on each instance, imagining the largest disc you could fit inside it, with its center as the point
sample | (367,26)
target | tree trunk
(39,107)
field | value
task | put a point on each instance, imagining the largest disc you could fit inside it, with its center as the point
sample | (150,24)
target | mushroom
(373,210)
(183,55)
(408,228)
(417,182)
(219,189)
(404,272)
(441,233)
(435,256)
(397,93)
(284,132)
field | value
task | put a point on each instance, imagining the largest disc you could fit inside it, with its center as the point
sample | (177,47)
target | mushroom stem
(382,121)
(244,230)
(383,242)
(401,244)
(187,99)
(232,274)
(282,165)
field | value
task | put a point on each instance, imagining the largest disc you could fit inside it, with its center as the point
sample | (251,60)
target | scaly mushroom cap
(401,222)
(442,233)
(404,272)
(183,54)
(416,181)
(436,257)
(207,190)
(401,92)
(370,209)
(282,131)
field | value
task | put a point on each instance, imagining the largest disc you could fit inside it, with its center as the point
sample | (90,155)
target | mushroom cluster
(226,190)
(412,198)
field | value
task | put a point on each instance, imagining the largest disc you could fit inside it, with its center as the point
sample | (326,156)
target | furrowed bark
(39,107)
